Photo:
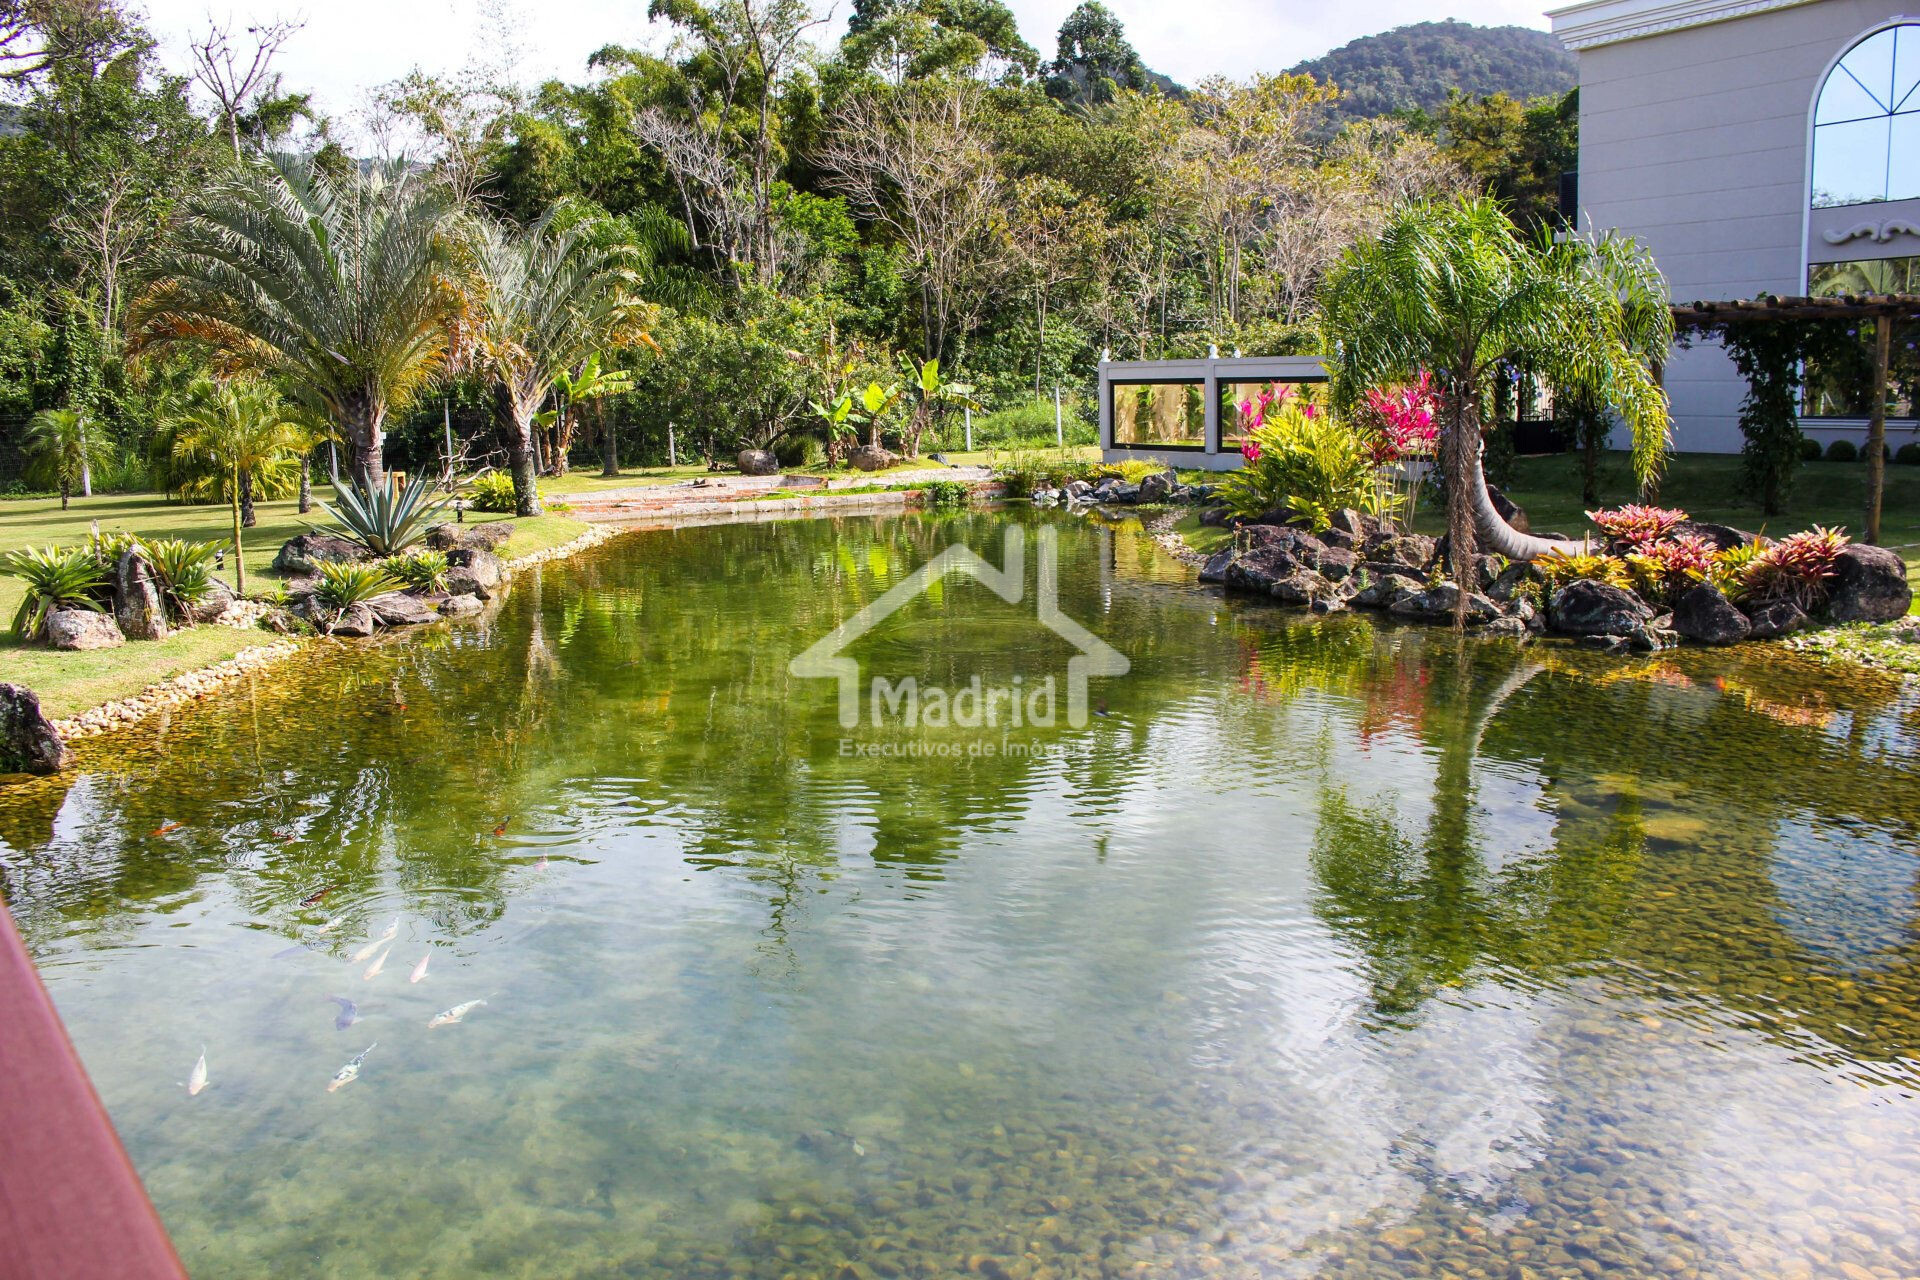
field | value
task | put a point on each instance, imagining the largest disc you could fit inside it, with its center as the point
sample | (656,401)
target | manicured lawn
(71,682)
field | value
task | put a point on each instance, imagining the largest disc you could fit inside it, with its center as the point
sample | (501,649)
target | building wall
(1695,142)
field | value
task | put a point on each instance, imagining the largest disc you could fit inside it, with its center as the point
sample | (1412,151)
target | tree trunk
(306,482)
(525,462)
(66,491)
(1877,426)
(609,443)
(366,441)
(1463,478)
(248,517)
(239,556)
(562,439)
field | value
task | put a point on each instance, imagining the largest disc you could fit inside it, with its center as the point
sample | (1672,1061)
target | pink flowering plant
(1401,422)
(1310,463)
(1637,523)
(1795,568)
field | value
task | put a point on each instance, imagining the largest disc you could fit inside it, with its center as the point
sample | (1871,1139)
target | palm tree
(242,429)
(550,298)
(64,447)
(335,284)
(1452,287)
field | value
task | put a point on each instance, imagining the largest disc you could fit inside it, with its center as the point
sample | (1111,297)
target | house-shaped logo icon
(826,660)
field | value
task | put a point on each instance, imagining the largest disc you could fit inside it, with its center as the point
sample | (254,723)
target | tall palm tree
(335,284)
(244,431)
(1451,286)
(63,447)
(550,297)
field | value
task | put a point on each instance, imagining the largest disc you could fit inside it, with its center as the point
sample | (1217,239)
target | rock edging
(593,537)
(173,692)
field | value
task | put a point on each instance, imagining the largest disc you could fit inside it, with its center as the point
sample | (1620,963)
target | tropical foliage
(342,586)
(184,570)
(56,578)
(491,491)
(1309,462)
(389,519)
(64,448)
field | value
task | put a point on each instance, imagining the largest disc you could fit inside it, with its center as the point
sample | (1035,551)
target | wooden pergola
(1709,316)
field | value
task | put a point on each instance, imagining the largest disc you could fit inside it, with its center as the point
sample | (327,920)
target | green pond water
(1322,949)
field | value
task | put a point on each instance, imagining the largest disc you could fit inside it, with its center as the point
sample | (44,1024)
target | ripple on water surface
(1321,950)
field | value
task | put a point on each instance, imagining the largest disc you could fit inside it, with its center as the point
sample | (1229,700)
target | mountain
(1415,66)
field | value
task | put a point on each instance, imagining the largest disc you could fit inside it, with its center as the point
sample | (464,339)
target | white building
(1757,146)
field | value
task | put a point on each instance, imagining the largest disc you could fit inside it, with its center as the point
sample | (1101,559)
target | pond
(1321,948)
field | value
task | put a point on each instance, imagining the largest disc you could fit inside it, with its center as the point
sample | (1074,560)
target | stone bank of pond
(1328,949)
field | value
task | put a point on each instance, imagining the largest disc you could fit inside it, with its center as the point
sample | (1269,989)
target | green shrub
(57,578)
(1842,451)
(1132,470)
(344,585)
(1022,426)
(1809,449)
(796,453)
(1312,464)
(492,491)
(947,495)
(185,570)
(421,571)
(385,521)
(1024,472)
(1908,454)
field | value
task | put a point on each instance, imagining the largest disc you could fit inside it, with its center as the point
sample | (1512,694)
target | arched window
(1866,125)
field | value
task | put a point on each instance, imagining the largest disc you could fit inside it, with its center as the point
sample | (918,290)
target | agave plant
(382,520)
(344,585)
(57,578)
(185,570)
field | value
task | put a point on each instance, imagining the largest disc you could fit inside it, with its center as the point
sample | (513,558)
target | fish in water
(197,1078)
(420,970)
(284,837)
(351,1072)
(447,1017)
(374,946)
(318,896)
(331,925)
(349,1013)
(165,828)
(502,828)
(373,970)
(542,864)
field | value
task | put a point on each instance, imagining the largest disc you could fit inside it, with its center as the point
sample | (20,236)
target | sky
(348,46)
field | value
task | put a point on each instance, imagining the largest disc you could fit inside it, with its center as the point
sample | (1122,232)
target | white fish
(447,1017)
(542,864)
(374,946)
(351,1072)
(420,970)
(197,1078)
(373,970)
(331,925)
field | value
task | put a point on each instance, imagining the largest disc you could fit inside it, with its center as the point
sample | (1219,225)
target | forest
(799,217)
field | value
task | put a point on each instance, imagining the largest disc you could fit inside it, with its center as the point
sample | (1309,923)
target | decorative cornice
(1600,22)
(1878,232)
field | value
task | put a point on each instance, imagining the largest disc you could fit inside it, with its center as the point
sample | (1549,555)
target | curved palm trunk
(366,440)
(1472,518)
(1501,538)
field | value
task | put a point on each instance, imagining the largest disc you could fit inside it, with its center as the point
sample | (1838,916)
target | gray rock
(1509,510)
(1723,536)
(1436,604)
(1704,615)
(461,606)
(1511,628)
(761,462)
(1775,619)
(356,621)
(1215,569)
(474,571)
(1358,525)
(28,741)
(304,554)
(869,458)
(1588,608)
(1414,550)
(1216,517)
(398,609)
(1869,584)
(214,603)
(1079,489)
(1515,579)
(1382,589)
(137,605)
(1159,487)
(1336,563)
(1125,493)
(1303,586)
(488,535)
(77,629)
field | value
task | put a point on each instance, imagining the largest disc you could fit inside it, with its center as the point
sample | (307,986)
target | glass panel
(1169,415)
(1844,99)
(1869,275)
(1906,65)
(1842,387)
(1240,403)
(1903,158)
(1871,63)
(1850,162)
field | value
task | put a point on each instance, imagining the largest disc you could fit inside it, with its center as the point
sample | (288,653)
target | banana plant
(838,418)
(932,398)
(570,391)
(874,404)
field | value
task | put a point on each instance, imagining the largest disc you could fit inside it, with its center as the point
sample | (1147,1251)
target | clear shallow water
(1328,950)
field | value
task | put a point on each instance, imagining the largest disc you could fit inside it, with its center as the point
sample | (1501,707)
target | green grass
(1202,538)
(72,682)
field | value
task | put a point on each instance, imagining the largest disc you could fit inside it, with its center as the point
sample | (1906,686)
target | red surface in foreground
(71,1206)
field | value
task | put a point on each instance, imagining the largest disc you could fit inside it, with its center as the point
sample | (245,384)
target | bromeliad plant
(342,586)
(1795,568)
(1662,570)
(384,520)
(1638,524)
(56,578)
(1308,462)
(422,571)
(185,571)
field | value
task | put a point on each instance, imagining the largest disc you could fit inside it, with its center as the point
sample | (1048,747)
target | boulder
(1159,487)
(1123,493)
(1436,603)
(1869,584)
(1336,563)
(1384,588)
(356,621)
(1704,615)
(1216,517)
(219,596)
(1302,586)
(137,605)
(461,606)
(1414,550)
(28,741)
(1515,579)
(1723,536)
(761,462)
(1511,628)
(398,609)
(1078,491)
(1775,619)
(1589,608)
(1339,538)
(488,536)
(82,629)
(871,458)
(1275,516)
(303,555)
(474,571)
(1215,569)
(1358,525)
